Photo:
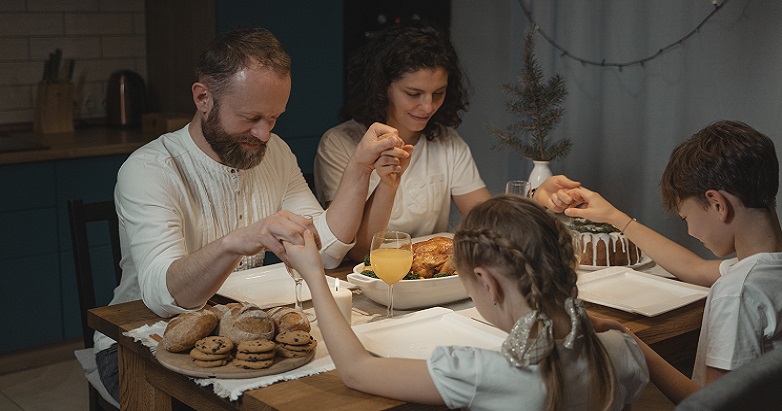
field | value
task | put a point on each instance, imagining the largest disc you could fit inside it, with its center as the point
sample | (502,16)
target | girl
(517,263)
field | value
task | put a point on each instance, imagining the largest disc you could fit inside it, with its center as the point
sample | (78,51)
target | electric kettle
(125,99)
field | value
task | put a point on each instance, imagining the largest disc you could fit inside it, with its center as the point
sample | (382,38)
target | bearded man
(198,203)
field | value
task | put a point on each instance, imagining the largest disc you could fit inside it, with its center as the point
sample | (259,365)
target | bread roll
(184,330)
(246,322)
(288,319)
(221,309)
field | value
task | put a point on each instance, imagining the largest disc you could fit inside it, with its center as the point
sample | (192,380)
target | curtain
(624,123)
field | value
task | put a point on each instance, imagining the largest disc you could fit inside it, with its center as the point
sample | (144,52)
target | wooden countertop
(83,142)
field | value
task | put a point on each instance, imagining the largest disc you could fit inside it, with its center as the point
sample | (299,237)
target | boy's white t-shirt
(480,379)
(743,314)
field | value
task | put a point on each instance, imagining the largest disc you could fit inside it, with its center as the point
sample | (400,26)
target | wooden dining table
(147,385)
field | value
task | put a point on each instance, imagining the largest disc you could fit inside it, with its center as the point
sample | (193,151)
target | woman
(409,77)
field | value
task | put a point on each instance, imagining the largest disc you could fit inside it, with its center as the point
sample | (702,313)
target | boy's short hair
(726,155)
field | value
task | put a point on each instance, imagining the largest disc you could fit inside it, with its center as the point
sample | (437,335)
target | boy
(723,182)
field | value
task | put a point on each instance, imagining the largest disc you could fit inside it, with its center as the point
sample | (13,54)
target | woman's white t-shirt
(438,169)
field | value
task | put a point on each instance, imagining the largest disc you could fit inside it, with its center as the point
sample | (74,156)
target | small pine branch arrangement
(540,108)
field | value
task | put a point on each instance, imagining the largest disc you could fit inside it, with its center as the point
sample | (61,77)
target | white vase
(540,172)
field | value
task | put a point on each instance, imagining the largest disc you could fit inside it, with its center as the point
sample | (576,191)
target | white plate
(636,292)
(641,263)
(267,286)
(416,335)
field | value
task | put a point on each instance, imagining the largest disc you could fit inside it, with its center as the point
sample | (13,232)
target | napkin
(233,388)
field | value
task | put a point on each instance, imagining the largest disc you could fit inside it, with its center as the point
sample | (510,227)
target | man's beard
(229,146)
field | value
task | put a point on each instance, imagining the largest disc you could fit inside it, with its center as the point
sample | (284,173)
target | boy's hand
(305,258)
(595,208)
(554,193)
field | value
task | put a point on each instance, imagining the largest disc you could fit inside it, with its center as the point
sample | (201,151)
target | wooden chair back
(80,214)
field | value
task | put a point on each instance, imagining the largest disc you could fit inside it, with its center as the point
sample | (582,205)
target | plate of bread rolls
(236,340)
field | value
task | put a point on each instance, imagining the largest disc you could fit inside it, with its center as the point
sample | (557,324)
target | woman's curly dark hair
(392,53)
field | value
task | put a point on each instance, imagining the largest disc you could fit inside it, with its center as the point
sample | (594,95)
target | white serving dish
(410,293)
(267,286)
(416,335)
(636,292)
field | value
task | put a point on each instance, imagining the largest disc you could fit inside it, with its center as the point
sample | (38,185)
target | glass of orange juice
(391,255)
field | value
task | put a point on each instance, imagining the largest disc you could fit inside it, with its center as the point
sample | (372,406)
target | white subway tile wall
(101,36)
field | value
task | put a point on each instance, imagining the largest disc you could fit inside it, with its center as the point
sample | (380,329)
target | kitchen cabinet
(37,279)
(37,275)
(177,31)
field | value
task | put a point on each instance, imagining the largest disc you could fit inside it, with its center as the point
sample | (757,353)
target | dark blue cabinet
(37,276)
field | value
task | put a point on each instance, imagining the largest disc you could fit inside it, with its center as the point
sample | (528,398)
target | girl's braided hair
(517,238)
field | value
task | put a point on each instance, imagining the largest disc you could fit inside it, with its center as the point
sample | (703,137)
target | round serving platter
(183,364)
(641,263)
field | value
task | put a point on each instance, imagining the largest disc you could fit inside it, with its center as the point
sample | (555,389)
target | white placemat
(364,310)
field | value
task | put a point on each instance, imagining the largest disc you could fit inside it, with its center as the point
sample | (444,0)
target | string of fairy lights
(603,63)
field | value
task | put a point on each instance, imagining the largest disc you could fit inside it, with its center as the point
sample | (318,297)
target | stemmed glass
(391,255)
(297,279)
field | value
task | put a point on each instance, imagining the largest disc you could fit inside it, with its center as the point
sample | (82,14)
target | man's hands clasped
(269,233)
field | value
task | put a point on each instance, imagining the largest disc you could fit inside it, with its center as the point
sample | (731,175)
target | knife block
(54,108)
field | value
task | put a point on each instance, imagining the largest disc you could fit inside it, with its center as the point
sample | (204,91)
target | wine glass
(391,256)
(297,286)
(297,280)
(518,187)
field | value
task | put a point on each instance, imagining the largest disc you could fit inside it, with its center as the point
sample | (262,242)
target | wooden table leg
(135,392)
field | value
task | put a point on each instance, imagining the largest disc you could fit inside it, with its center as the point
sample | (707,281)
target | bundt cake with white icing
(603,245)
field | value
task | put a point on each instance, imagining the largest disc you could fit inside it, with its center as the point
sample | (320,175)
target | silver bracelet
(628,223)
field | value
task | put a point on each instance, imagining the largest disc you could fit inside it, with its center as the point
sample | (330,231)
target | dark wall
(364,17)
(319,35)
(311,32)
(177,32)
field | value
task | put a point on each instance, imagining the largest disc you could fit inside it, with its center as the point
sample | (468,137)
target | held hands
(390,168)
(305,257)
(554,193)
(381,141)
(271,232)
(594,207)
